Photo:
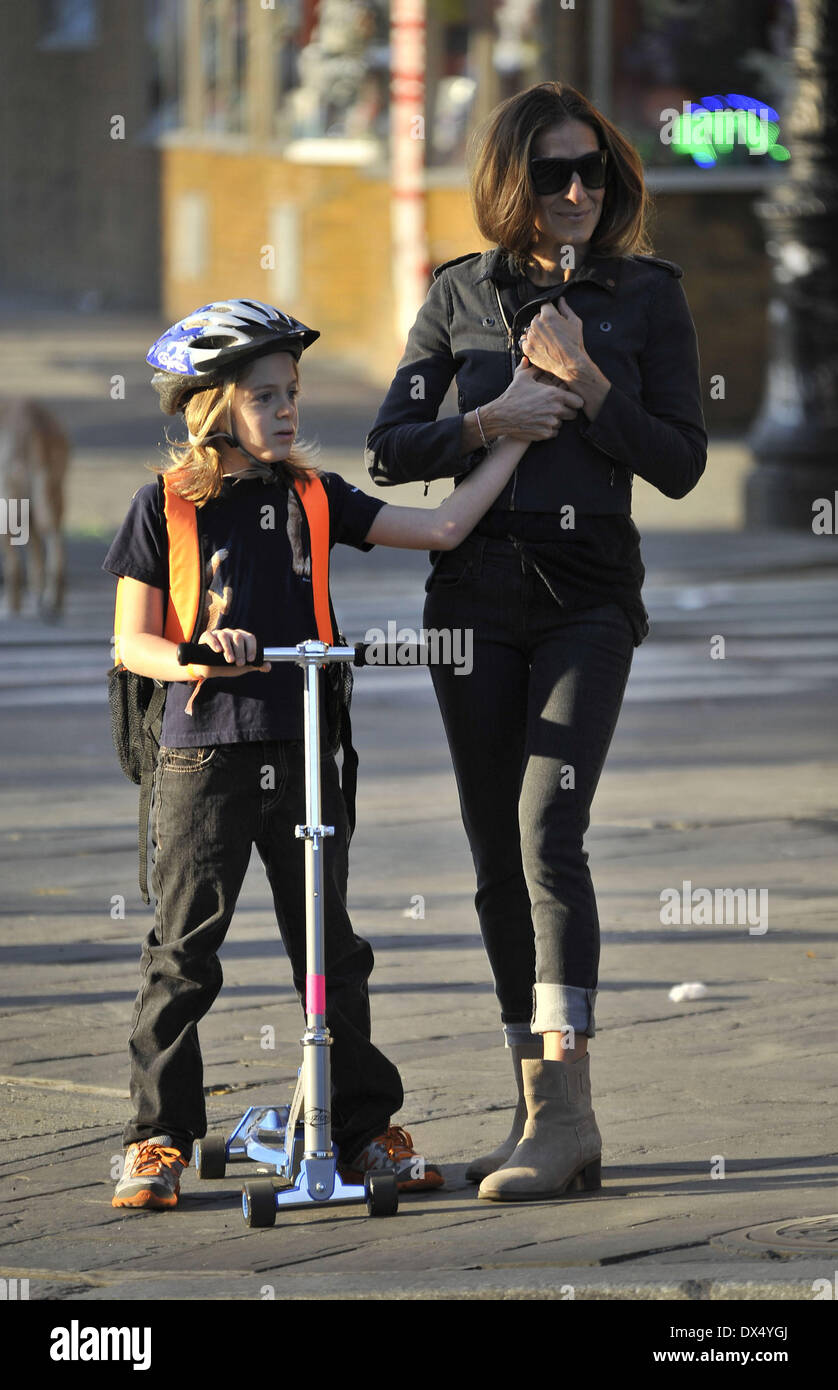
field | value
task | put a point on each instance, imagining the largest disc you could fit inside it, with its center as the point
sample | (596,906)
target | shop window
(332,70)
(667,52)
(164,36)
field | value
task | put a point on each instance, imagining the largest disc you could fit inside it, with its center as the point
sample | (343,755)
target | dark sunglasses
(554,175)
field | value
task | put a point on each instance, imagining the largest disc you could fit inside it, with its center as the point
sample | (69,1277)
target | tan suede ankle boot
(481,1167)
(561,1147)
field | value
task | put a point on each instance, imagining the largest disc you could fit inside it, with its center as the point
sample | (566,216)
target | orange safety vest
(183,609)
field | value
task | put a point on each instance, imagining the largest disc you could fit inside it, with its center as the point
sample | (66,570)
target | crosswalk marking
(781,637)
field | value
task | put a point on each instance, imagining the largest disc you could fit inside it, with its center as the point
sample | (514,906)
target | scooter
(300,1151)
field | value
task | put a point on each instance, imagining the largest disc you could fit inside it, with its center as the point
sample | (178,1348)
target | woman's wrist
(491,425)
(593,393)
(479,431)
(591,384)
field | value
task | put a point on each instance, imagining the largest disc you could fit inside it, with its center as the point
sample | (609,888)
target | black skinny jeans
(211,805)
(529,729)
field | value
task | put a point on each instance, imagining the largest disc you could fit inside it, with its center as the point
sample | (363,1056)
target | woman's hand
(531,407)
(238,646)
(554,343)
(553,340)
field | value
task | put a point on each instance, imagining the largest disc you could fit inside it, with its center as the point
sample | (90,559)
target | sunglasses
(554,175)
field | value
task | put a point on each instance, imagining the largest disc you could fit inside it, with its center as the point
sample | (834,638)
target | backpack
(137,704)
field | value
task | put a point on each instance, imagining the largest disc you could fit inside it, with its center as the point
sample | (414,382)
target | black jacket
(637,329)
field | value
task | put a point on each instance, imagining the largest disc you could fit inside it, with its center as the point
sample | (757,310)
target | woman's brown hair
(502,195)
(196,469)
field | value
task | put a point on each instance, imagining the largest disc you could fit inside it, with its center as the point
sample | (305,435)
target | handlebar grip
(201,655)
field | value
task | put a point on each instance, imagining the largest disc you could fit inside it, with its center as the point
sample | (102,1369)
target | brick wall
(79,211)
(343,286)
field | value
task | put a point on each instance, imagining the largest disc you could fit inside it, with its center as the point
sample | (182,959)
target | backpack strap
(185,578)
(154,712)
(315,504)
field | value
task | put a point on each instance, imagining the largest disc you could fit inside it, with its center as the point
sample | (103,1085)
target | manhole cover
(795,1236)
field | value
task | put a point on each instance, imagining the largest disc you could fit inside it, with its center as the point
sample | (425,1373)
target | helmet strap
(257,466)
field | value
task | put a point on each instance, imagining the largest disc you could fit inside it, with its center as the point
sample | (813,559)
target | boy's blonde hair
(196,469)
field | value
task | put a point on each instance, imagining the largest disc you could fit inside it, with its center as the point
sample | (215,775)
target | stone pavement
(718,1113)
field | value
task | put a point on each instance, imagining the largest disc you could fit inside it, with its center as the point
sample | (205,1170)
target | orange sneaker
(393,1152)
(151,1175)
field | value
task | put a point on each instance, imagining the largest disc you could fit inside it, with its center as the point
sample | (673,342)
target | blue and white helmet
(198,351)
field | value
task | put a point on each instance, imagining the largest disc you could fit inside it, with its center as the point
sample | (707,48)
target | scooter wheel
(382,1193)
(211,1156)
(259,1203)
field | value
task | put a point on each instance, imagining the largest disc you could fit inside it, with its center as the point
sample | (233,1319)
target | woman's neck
(547,268)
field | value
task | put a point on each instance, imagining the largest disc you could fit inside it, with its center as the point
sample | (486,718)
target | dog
(34,459)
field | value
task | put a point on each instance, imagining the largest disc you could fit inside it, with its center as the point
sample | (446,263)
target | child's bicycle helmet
(197,352)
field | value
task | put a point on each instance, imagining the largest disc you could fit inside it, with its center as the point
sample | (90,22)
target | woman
(550,580)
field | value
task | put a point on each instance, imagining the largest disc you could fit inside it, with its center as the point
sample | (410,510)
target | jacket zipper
(511,345)
(509,334)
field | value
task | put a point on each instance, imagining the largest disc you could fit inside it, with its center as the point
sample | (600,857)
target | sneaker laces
(151,1157)
(398,1143)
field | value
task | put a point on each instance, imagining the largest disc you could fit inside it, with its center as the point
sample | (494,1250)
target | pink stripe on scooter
(315,994)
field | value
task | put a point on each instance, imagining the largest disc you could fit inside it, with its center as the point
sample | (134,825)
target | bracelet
(480,427)
(192,673)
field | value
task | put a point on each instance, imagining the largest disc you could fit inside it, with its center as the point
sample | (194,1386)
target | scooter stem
(317,1040)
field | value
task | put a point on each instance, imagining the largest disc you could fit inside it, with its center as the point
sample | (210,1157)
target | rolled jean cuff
(517,1034)
(557,1007)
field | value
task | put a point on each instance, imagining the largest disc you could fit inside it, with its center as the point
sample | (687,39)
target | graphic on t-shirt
(219,595)
(300,562)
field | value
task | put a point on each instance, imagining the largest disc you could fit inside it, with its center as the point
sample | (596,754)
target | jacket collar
(601,270)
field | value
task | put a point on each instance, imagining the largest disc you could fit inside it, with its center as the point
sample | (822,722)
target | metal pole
(795,436)
(481,44)
(411,269)
(316,1042)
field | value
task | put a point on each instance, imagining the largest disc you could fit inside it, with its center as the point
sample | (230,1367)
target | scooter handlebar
(199,654)
(392,654)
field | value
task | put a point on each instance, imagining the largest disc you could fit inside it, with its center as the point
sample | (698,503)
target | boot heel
(589,1179)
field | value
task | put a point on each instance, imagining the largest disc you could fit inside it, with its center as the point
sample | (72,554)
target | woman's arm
(144,649)
(407,443)
(525,410)
(445,526)
(664,439)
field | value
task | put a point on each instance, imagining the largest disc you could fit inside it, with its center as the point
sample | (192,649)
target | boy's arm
(143,649)
(445,526)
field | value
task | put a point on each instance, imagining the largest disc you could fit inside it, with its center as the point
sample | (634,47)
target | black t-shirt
(258,573)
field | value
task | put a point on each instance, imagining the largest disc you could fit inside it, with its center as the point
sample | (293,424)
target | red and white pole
(410,265)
